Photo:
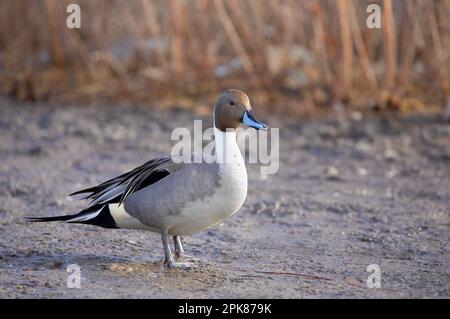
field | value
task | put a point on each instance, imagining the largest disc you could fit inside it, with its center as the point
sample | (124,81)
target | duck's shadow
(42,261)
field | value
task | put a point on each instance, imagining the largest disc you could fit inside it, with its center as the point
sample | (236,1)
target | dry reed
(318,51)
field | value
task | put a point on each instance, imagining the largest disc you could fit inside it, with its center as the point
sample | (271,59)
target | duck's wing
(117,189)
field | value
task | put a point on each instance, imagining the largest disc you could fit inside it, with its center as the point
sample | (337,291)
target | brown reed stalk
(347,47)
(390,44)
(252,42)
(204,42)
(235,39)
(56,46)
(362,51)
(257,11)
(287,16)
(320,41)
(438,49)
(408,41)
(154,29)
(176,35)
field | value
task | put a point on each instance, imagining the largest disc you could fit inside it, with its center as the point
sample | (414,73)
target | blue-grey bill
(251,121)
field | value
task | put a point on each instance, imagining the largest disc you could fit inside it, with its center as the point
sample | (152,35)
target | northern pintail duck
(176,199)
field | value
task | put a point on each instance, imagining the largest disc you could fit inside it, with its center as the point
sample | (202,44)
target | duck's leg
(169,260)
(179,251)
(168,257)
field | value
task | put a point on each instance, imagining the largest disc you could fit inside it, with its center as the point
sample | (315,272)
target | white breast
(227,199)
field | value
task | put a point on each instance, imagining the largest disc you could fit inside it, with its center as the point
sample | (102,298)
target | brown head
(233,109)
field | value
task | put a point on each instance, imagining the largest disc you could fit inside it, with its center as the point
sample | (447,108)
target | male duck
(176,199)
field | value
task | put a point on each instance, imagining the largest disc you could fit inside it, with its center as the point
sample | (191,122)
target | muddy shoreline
(350,192)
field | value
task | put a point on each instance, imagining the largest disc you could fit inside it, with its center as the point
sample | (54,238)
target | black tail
(49,219)
(98,215)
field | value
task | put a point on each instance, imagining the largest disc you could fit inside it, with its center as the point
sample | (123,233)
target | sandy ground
(349,193)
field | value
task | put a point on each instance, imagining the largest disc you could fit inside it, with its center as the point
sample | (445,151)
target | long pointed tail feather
(98,215)
(48,219)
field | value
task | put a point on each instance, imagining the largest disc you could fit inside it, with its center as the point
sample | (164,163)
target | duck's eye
(231,103)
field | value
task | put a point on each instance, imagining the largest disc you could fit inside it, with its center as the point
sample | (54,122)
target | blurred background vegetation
(305,55)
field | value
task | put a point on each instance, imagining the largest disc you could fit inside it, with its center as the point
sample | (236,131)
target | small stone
(362,171)
(332,173)
(391,173)
(34,150)
(390,154)
(356,116)
(363,147)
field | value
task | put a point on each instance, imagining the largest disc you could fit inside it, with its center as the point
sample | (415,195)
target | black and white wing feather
(117,189)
